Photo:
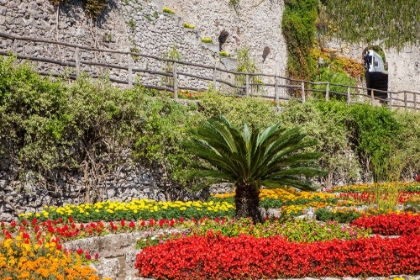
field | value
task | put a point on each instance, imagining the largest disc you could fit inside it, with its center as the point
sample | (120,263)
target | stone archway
(376,72)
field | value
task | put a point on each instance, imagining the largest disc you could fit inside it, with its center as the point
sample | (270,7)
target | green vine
(395,23)
(299,31)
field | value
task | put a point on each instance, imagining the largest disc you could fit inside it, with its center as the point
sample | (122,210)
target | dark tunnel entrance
(376,72)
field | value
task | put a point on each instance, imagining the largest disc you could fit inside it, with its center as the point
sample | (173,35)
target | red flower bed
(247,257)
(390,224)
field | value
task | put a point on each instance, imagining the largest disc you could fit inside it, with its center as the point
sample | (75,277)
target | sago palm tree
(251,159)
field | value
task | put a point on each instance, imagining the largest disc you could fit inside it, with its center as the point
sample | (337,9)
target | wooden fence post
(415,102)
(214,77)
(130,71)
(14,46)
(327,92)
(247,84)
(348,96)
(175,81)
(372,97)
(390,100)
(303,92)
(276,93)
(77,59)
(405,99)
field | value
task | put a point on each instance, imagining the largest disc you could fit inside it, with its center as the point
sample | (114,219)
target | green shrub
(168,10)
(207,40)
(341,216)
(224,54)
(188,25)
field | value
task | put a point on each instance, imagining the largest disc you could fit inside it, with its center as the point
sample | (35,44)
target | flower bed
(296,231)
(35,241)
(392,224)
(137,209)
(23,258)
(219,257)
(403,186)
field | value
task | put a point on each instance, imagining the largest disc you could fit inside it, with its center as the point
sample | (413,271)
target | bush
(341,216)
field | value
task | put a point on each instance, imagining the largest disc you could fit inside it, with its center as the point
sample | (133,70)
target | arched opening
(376,72)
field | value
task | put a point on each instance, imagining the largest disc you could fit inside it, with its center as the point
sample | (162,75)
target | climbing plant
(246,64)
(394,23)
(299,31)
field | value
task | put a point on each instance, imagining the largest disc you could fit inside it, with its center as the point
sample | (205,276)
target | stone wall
(25,191)
(141,26)
(136,26)
(255,24)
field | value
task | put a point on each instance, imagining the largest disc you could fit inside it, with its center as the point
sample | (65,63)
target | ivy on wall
(395,23)
(299,31)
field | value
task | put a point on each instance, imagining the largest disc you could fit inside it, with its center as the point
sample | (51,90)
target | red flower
(80,251)
(161,222)
(132,224)
(122,222)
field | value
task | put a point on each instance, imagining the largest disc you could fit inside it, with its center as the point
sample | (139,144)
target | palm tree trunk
(247,202)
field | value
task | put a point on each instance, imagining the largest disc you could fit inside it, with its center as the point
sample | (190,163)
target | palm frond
(272,156)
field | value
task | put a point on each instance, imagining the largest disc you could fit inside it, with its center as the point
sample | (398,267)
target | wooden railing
(292,89)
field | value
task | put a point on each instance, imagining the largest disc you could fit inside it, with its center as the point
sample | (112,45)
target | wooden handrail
(175,73)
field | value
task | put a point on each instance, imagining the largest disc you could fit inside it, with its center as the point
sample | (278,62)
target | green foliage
(132,24)
(48,125)
(207,40)
(294,231)
(336,75)
(234,4)
(224,54)
(247,65)
(325,122)
(172,54)
(165,126)
(133,56)
(188,25)
(51,125)
(373,134)
(93,8)
(298,28)
(168,10)
(392,22)
(341,216)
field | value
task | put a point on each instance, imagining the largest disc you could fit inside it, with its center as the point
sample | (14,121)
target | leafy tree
(250,159)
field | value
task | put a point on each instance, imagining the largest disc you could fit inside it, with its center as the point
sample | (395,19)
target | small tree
(250,159)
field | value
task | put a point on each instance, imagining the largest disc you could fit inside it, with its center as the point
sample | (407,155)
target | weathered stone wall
(137,26)
(255,24)
(30,192)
